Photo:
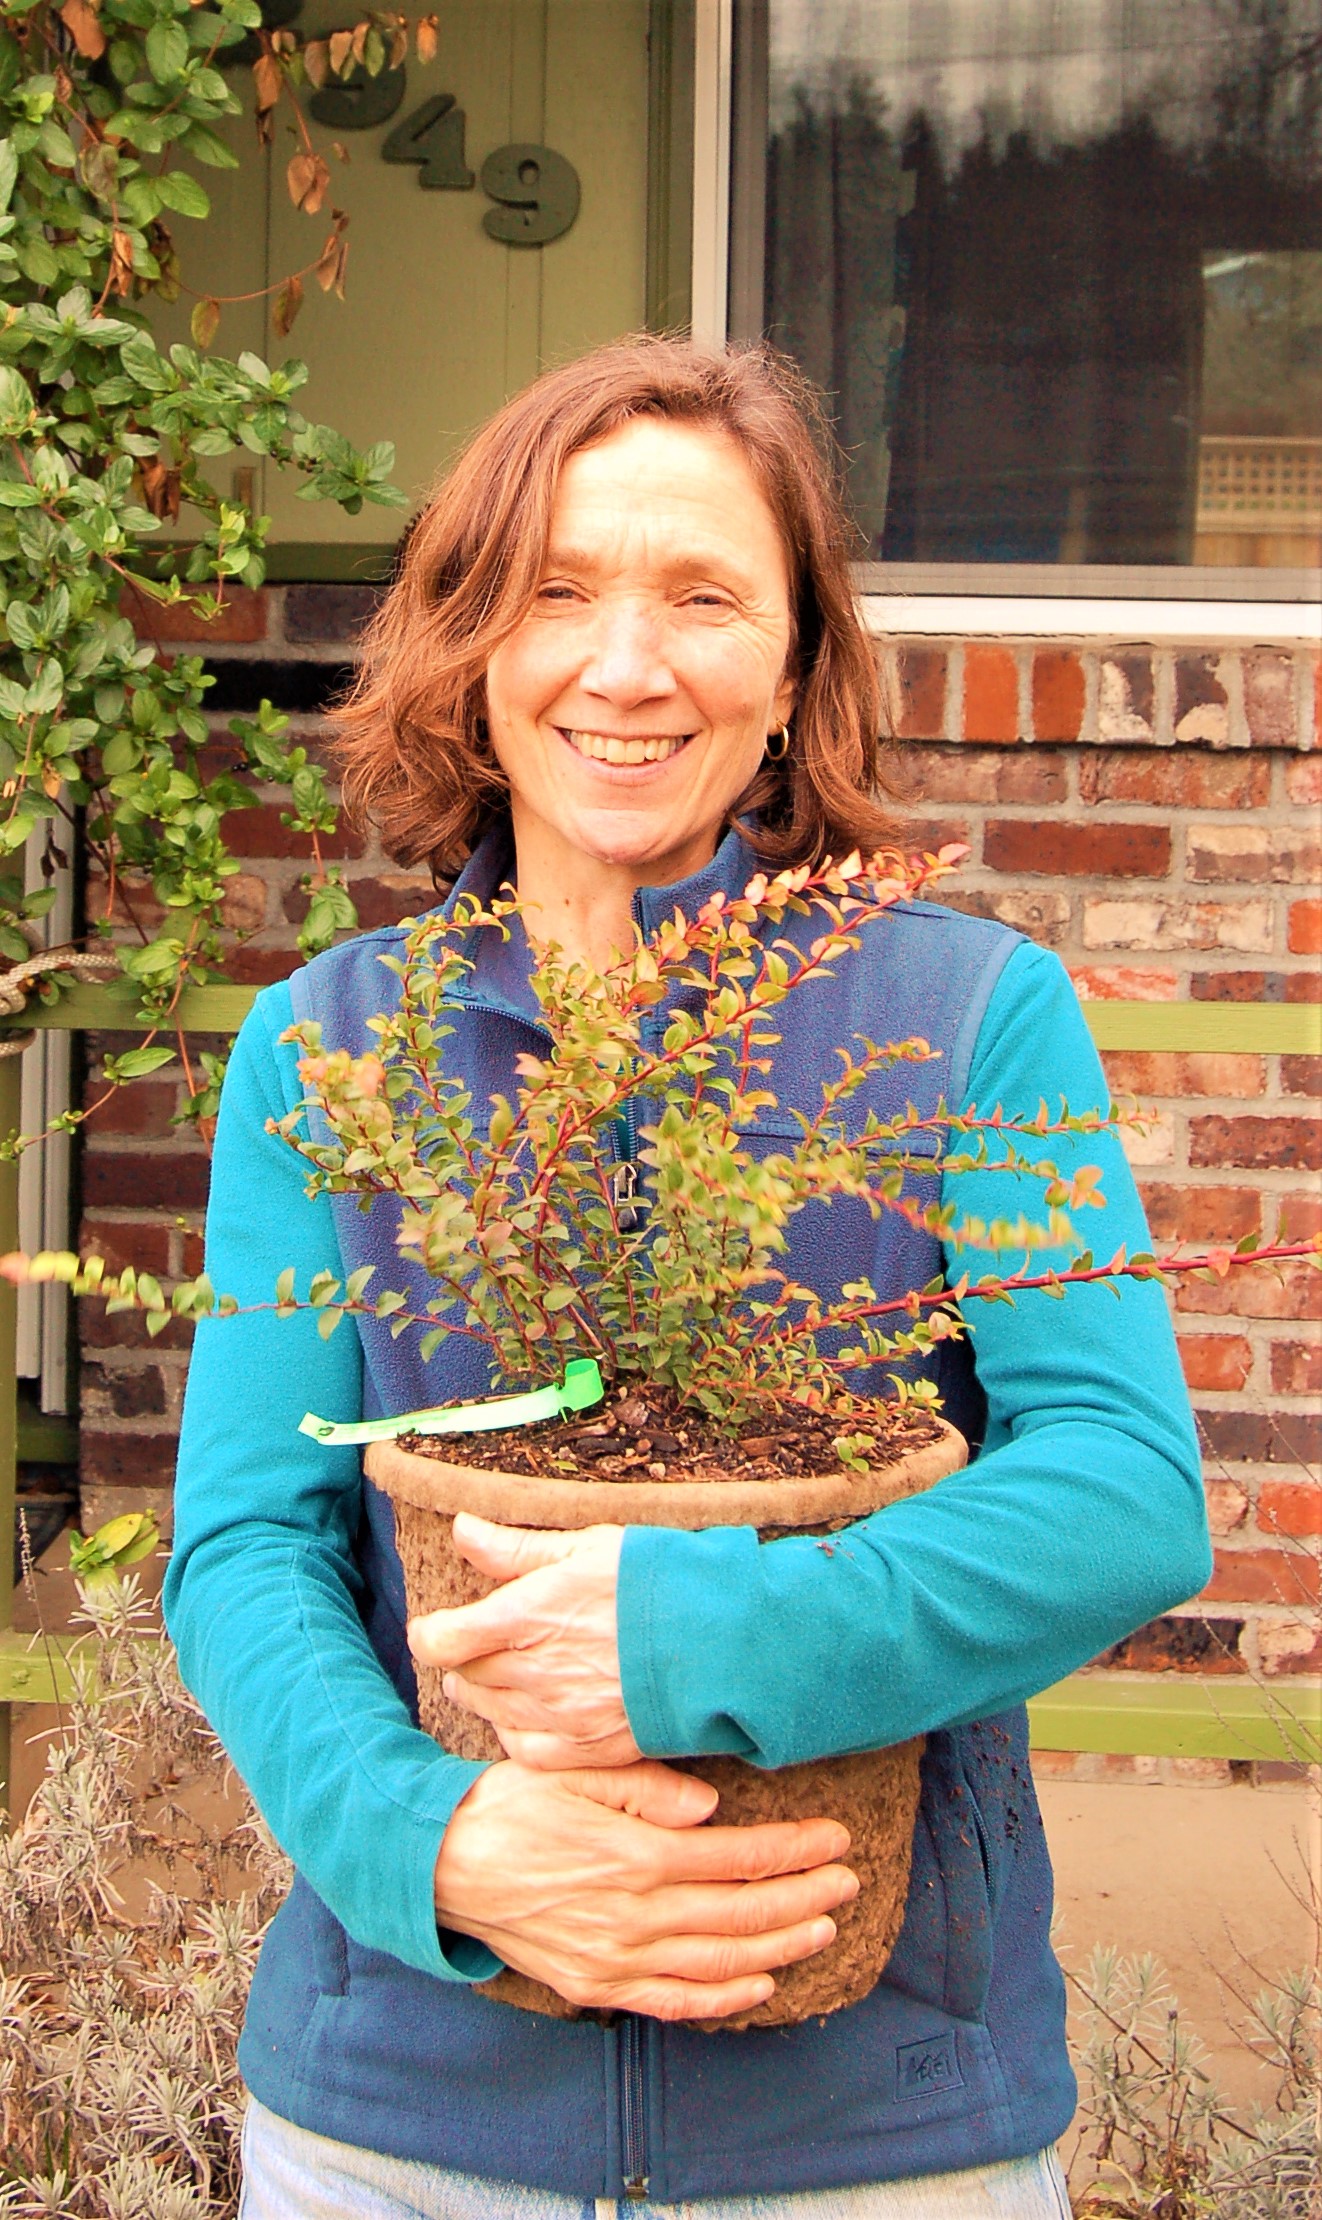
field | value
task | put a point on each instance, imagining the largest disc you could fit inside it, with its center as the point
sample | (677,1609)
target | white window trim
(713,54)
(1051,616)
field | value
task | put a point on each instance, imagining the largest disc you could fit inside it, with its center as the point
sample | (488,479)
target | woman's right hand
(605,1885)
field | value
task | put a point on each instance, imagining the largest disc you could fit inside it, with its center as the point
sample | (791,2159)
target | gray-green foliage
(108,111)
(133,1896)
(1157,2137)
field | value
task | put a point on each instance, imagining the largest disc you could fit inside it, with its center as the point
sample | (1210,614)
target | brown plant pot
(874,1793)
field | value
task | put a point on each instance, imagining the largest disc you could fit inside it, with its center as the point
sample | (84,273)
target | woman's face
(631,707)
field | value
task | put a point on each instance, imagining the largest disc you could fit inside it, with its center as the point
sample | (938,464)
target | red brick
(1038,911)
(1290,1507)
(1303,781)
(144,1109)
(1261,1437)
(1167,1073)
(1296,1217)
(127,1329)
(1126,697)
(1269,698)
(1301,1075)
(194,1255)
(127,1460)
(1239,854)
(1296,1367)
(1255,1291)
(1058,691)
(1183,780)
(126,1180)
(259,832)
(329,612)
(1236,986)
(1178,1645)
(1221,1361)
(968,774)
(1202,1214)
(132,1391)
(1091,849)
(1303,986)
(1305,933)
(922,683)
(242,618)
(1286,1648)
(1149,921)
(259,967)
(398,894)
(1257,1144)
(1227,1503)
(991,693)
(144,1245)
(1263,1576)
(1124,983)
(1202,705)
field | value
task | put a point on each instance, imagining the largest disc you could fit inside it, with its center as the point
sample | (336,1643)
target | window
(1058,264)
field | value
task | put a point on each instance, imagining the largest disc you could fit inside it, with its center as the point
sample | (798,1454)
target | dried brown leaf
(425,39)
(341,51)
(288,302)
(331,262)
(308,177)
(161,489)
(80,21)
(268,77)
(340,150)
(121,263)
(316,61)
(358,38)
(204,321)
(399,44)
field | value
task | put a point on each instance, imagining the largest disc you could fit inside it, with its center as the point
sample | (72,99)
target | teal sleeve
(1083,1517)
(262,1591)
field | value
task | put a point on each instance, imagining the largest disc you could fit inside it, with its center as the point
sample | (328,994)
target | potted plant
(613,1237)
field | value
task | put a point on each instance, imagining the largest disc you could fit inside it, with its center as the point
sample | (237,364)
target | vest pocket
(943,1956)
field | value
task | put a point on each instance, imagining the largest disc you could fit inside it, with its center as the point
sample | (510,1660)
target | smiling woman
(644,546)
(621,663)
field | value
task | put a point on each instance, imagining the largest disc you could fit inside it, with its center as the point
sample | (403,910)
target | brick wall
(1153,815)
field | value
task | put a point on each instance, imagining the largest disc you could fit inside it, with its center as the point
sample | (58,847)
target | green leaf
(167,51)
(136,1063)
(183,193)
(284,1286)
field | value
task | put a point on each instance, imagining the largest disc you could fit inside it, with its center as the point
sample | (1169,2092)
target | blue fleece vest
(957,2058)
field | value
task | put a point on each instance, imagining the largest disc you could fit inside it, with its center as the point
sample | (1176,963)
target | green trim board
(34,1668)
(1180,1716)
(1208,1028)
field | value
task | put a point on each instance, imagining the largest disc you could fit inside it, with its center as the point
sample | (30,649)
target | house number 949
(536,191)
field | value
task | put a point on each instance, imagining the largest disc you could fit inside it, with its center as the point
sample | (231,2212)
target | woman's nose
(628,663)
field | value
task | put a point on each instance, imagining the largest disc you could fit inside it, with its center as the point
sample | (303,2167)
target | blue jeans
(290,2174)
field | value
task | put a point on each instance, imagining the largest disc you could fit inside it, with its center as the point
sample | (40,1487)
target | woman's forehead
(664,491)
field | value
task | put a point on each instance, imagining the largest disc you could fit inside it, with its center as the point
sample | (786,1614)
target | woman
(621,660)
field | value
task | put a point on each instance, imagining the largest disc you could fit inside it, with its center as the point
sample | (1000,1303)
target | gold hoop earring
(778,745)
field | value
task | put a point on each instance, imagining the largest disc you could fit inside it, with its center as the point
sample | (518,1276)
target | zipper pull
(624,1188)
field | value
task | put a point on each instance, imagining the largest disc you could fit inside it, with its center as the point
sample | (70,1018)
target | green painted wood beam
(1209,1028)
(1180,1716)
(34,1669)
(1235,1028)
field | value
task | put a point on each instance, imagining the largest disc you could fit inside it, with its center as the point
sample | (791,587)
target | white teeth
(609,748)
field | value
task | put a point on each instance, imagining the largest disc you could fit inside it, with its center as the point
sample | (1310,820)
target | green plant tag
(578,1391)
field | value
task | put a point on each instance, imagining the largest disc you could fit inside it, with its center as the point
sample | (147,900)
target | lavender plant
(133,1896)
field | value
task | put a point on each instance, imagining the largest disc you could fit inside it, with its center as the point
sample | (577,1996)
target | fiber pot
(874,1793)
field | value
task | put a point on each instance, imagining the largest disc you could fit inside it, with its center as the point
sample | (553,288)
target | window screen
(1059,265)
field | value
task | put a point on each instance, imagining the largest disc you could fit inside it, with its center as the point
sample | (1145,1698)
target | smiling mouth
(610,747)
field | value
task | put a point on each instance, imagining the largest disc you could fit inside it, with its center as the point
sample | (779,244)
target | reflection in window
(1059,263)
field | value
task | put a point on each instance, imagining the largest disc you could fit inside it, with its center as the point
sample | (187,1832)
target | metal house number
(536,190)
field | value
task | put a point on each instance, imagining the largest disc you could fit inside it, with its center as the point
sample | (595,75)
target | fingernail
(848,1895)
(764,1990)
(823,1932)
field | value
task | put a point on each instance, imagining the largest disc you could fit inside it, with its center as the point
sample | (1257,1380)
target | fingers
(471,1630)
(706,1958)
(754,1853)
(552,1753)
(660,1999)
(504,1552)
(650,1791)
(747,1908)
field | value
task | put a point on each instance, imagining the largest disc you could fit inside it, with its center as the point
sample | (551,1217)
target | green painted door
(441,321)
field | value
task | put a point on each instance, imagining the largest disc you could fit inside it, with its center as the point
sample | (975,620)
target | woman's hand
(606,1885)
(538,1658)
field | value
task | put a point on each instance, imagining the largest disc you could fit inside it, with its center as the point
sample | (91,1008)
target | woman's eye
(556,592)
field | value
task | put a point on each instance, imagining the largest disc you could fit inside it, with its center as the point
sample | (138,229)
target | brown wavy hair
(411,735)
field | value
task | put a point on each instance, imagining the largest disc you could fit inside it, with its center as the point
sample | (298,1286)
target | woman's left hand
(538,1657)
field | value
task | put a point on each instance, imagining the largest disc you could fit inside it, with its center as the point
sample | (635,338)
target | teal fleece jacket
(1083,1515)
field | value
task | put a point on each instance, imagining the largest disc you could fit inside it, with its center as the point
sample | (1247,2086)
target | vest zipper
(624,1178)
(633,2107)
